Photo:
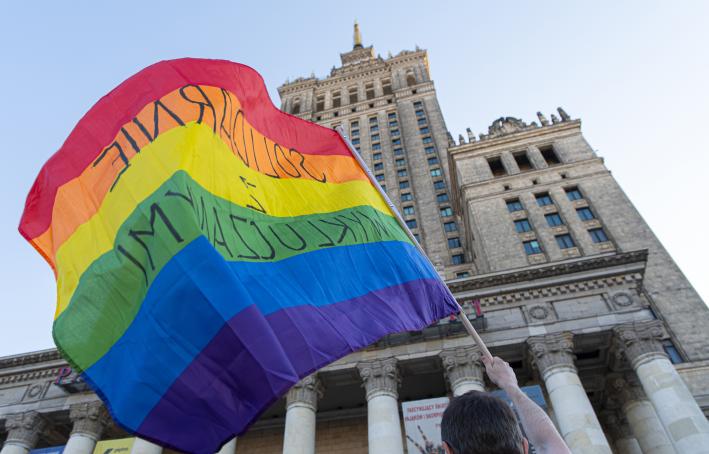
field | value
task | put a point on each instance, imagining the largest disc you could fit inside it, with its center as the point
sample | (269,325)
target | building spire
(357,36)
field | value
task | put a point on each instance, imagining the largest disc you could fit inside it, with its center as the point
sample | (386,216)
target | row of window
(553,220)
(544,199)
(524,164)
(565,241)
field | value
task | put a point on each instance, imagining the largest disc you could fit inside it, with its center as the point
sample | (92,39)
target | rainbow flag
(211,250)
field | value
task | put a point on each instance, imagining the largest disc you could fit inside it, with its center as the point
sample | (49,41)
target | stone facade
(559,273)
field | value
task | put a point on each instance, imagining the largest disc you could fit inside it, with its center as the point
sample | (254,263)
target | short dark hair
(478,423)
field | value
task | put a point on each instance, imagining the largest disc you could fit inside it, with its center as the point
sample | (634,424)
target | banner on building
(422,423)
(51,450)
(119,446)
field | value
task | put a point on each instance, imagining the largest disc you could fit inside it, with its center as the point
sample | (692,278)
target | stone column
(229,447)
(23,431)
(578,424)
(301,405)
(381,382)
(90,419)
(686,425)
(641,416)
(463,369)
(141,446)
(619,430)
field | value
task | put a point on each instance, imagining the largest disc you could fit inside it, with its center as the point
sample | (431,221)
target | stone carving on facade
(616,424)
(306,392)
(552,351)
(89,418)
(506,125)
(542,119)
(461,139)
(380,377)
(36,391)
(471,136)
(538,312)
(622,299)
(554,119)
(24,428)
(639,341)
(625,390)
(562,113)
(462,364)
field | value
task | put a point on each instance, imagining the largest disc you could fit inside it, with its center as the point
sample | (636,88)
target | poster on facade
(52,450)
(119,446)
(422,424)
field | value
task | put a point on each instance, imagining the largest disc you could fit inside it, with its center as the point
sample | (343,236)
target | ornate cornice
(89,418)
(380,377)
(305,393)
(552,352)
(555,269)
(24,428)
(640,342)
(462,364)
(29,358)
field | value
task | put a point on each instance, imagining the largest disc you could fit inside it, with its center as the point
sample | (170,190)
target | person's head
(478,423)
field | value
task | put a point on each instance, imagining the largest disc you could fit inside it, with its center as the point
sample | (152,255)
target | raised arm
(538,427)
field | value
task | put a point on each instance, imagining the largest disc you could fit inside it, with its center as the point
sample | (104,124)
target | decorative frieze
(552,352)
(640,341)
(306,392)
(24,428)
(380,377)
(89,418)
(462,364)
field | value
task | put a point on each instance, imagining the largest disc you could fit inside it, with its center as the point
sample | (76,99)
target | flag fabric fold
(211,250)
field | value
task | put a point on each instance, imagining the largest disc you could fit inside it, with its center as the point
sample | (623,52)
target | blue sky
(635,72)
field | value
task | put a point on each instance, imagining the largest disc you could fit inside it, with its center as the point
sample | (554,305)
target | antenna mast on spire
(357,36)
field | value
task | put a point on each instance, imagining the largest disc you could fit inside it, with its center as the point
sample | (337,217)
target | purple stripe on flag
(254,360)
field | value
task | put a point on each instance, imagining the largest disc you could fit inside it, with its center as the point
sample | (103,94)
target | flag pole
(463,317)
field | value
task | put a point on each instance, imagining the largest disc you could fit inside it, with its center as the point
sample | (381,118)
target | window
(453,243)
(532,247)
(549,155)
(396,141)
(564,241)
(417,237)
(573,193)
(353,95)
(403,184)
(407,197)
(462,275)
(523,225)
(373,127)
(379,166)
(372,120)
(429,150)
(411,223)
(401,162)
(336,100)
(421,114)
(379,177)
(514,205)
(424,130)
(585,214)
(427,140)
(376,146)
(671,350)
(598,235)
(553,219)
(354,124)
(355,141)
(421,121)
(433,160)
(296,106)
(398,151)
(418,105)
(355,133)
(450,226)
(402,173)
(394,132)
(391,115)
(375,137)
(435,172)
(440,184)
(320,103)
(393,124)
(377,157)
(447,211)
(543,199)
(408,211)
(384,187)
(457,259)
(369,90)
(522,161)
(496,167)
(386,86)
(440,198)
